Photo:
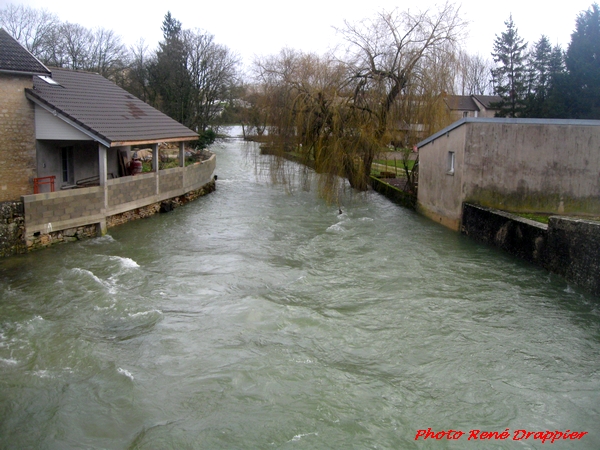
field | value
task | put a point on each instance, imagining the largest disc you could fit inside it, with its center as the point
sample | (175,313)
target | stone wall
(39,240)
(573,251)
(393,193)
(162,206)
(12,228)
(17,138)
(63,209)
(90,211)
(568,247)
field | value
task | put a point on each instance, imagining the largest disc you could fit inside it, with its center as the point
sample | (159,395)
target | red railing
(37,182)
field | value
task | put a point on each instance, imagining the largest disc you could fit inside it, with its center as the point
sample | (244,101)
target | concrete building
(66,138)
(519,165)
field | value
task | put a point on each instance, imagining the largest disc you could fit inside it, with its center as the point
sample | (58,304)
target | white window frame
(451,163)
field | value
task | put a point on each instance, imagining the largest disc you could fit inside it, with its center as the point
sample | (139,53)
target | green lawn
(391,163)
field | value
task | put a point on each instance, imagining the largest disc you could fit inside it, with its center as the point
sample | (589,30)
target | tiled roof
(486,100)
(106,111)
(461,103)
(16,59)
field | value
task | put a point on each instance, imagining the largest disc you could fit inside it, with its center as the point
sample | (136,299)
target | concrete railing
(55,211)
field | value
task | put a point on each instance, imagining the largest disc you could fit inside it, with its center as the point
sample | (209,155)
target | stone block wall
(516,235)
(199,174)
(573,251)
(59,210)
(171,180)
(131,189)
(89,211)
(17,138)
(566,246)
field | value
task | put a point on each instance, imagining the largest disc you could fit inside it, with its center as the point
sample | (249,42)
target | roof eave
(24,73)
(66,118)
(31,95)
(154,141)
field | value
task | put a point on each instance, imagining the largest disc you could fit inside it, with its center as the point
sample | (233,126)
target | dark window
(67,165)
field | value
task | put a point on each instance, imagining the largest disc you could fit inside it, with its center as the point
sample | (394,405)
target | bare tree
(386,56)
(213,73)
(107,55)
(473,75)
(31,27)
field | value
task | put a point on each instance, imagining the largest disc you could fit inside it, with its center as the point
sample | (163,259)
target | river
(256,317)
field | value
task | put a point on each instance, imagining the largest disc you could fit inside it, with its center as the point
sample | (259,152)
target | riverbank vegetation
(340,112)
(189,76)
(384,88)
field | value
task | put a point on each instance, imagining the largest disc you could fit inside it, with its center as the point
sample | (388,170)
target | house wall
(49,160)
(17,138)
(54,212)
(533,166)
(50,127)
(483,111)
(440,191)
(513,165)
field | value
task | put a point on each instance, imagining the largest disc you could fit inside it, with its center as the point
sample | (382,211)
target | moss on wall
(534,202)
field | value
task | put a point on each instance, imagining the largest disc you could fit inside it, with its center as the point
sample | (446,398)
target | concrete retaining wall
(51,213)
(393,193)
(567,247)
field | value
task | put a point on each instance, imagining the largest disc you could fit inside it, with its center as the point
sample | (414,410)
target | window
(67,165)
(451,160)
(48,80)
(465,114)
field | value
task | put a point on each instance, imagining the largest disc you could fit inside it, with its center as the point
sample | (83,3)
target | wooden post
(181,154)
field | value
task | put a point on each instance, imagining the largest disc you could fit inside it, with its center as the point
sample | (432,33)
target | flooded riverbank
(252,318)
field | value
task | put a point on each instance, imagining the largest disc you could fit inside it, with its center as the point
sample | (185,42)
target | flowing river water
(259,318)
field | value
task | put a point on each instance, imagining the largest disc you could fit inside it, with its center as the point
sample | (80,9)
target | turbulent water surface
(256,318)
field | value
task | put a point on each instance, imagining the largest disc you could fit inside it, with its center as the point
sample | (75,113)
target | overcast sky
(263,27)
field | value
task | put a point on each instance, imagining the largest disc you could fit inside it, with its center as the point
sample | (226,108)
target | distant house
(461,106)
(66,138)
(519,165)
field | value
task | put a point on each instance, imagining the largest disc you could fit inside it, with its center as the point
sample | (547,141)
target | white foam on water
(9,362)
(300,436)
(126,373)
(101,240)
(43,374)
(126,263)
(336,227)
(145,313)
(111,289)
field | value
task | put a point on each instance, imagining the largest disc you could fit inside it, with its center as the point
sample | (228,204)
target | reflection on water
(253,318)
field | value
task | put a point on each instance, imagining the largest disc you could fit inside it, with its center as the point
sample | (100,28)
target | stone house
(65,140)
(461,106)
(520,165)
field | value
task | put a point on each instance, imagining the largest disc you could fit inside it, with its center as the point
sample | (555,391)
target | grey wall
(520,165)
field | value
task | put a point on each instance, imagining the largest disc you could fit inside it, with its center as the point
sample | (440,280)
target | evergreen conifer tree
(583,65)
(509,76)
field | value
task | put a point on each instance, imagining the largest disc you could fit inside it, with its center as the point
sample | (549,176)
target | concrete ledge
(566,246)
(393,193)
(516,235)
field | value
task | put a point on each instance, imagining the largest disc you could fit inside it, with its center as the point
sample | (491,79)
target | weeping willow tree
(336,114)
